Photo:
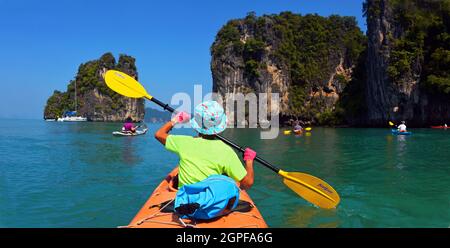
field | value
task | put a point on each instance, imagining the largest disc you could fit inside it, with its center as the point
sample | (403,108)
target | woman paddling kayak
(208,168)
(203,156)
(128,127)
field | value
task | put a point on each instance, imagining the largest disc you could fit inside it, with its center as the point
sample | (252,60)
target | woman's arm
(247,181)
(163,132)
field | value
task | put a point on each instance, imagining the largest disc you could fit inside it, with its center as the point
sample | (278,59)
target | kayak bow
(396,132)
(158,211)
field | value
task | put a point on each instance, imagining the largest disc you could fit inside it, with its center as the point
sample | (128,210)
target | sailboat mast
(75,96)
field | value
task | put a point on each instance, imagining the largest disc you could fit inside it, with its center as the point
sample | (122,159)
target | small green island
(95,100)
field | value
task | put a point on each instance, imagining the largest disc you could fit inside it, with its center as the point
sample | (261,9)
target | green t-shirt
(201,158)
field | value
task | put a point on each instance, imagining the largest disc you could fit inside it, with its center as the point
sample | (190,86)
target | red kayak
(441,127)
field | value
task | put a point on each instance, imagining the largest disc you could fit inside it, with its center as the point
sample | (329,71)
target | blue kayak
(396,132)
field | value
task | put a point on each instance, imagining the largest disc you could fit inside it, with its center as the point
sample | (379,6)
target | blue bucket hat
(209,118)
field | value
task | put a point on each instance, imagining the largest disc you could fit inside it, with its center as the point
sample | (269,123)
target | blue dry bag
(214,196)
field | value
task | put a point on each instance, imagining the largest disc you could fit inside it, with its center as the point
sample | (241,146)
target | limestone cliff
(408,62)
(94,99)
(308,60)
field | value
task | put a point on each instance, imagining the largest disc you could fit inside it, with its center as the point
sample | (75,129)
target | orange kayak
(157,212)
(441,127)
(298,131)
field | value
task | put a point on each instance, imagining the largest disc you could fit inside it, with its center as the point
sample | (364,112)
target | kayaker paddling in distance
(128,125)
(297,127)
(402,127)
(203,156)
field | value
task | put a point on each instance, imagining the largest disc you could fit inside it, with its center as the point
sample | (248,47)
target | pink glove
(181,117)
(249,154)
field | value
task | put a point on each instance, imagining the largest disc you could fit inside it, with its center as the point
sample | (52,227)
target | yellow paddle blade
(308,129)
(125,85)
(390,123)
(311,188)
(287,132)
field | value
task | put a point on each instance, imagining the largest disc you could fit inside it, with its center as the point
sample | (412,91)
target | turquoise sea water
(79,175)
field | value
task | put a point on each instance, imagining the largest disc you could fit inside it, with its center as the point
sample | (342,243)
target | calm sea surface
(79,175)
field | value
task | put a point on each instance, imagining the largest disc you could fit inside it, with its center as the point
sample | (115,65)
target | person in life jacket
(297,127)
(204,192)
(128,126)
(205,155)
(402,127)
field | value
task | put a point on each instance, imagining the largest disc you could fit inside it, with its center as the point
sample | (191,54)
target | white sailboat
(72,115)
(72,118)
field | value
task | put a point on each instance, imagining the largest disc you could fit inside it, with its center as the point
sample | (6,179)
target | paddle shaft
(227,141)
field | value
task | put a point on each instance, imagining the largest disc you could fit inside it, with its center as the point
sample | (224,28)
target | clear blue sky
(42,43)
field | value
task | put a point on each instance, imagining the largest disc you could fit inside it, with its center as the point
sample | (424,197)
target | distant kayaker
(203,156)
(445,125)
(297,126)
(129,126)
(402,127)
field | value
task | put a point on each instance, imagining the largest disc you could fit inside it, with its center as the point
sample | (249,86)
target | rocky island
(94,99)
(308,60)
(328,72)
(408,62)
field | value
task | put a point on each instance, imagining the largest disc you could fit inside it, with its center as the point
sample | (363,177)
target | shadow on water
(308,216)
(129,155)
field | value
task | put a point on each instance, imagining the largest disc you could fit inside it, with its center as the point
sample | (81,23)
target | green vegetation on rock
(308,47)
(352,103)
(425,42)
(89,80)
(329,72)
